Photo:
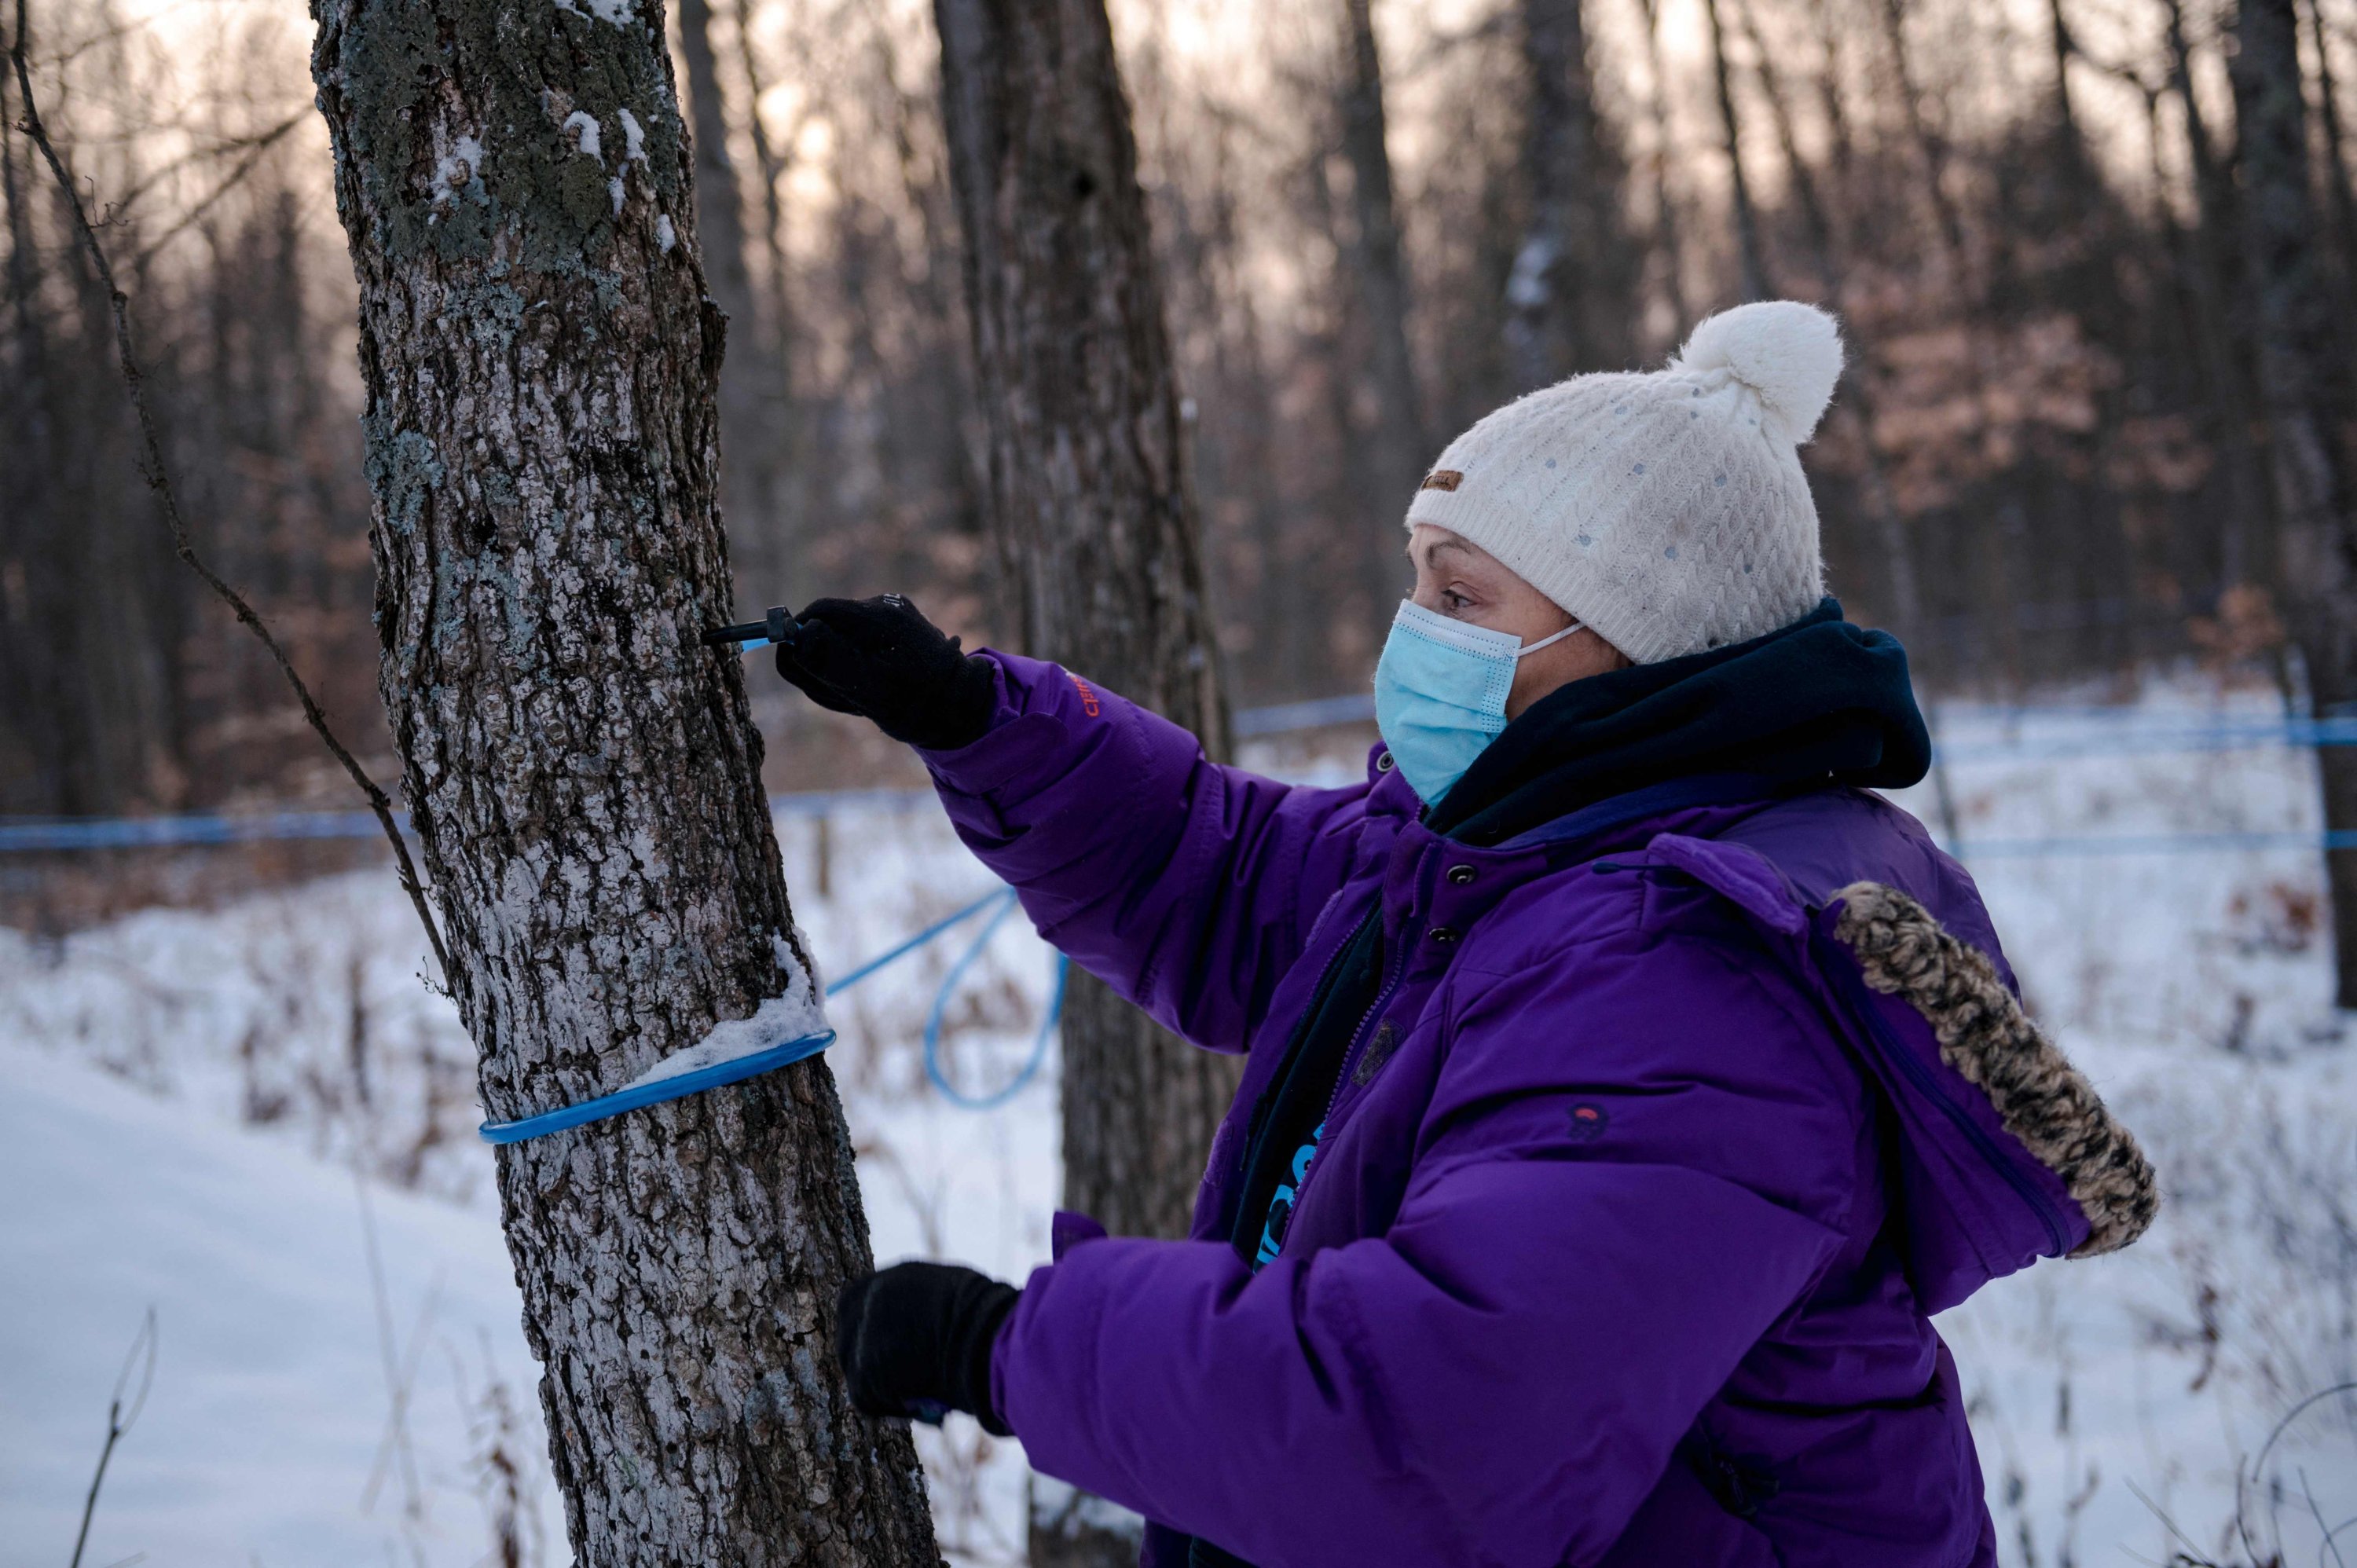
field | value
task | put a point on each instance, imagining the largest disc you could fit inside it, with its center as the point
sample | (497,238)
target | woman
(1627,1086)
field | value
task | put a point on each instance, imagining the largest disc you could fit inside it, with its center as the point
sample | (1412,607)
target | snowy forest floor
(258,1121)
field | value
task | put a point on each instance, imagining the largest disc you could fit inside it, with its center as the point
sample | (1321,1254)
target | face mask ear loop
(1529,648)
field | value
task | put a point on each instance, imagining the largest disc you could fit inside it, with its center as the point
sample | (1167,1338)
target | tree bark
(540,364)
(1665,210)
(1093,507)
(1570,296)
(2336,154)
(1930,142)
(751,391)
(1751,267)
(2301,393)
(2247,533)
(1391,448)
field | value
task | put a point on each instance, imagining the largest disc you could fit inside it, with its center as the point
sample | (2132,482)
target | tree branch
(254,150)
(159,479)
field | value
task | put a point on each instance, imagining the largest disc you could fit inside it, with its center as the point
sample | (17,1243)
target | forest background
(2041,221)
(2095,260)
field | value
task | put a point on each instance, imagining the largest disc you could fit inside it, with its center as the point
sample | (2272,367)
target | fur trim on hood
(2044,1103)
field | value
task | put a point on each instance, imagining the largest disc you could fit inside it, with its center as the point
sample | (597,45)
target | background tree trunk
(1093,507)
(751,387)
(2247,532)
(1671,258)
(1391,445)
(2302,389)
(1751,265)
(540,364)
(1572,294)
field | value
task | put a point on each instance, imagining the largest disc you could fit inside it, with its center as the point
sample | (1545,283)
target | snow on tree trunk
(1093,508)
(540,363)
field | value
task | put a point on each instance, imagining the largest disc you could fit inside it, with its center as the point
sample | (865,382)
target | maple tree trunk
(1095,514)
(540,364)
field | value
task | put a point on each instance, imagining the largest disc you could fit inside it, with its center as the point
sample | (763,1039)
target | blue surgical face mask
(1440,693)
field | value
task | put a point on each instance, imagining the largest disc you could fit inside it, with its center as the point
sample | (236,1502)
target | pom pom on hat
(1788,353)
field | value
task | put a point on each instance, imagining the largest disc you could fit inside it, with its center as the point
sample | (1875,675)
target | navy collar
(1608,816)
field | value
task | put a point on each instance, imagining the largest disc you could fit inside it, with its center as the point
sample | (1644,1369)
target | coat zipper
(1256,1134)
(1394,970)
(1394,967)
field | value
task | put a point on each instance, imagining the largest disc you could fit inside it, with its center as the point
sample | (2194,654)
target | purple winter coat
(1673,1122)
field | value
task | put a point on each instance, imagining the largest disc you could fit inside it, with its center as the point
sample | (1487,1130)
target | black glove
(916,1339)
(882,660)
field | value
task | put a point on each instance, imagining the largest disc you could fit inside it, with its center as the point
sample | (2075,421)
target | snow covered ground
(193,1091)
(267,1435)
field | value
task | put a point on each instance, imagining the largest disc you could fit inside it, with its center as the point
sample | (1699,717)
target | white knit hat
(1666,509)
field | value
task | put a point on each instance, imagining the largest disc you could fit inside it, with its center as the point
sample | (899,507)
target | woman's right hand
(882,660)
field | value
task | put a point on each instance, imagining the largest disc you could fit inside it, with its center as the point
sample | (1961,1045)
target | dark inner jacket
(1820,701)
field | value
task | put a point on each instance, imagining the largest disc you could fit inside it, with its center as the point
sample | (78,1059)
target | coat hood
(1985,1038)
(2007,1154)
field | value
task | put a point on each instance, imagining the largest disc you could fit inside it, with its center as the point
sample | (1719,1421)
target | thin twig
(2167,1523)
(118,1421)
(2317,1513)
(159,479)
(397,1383)
(2259,1465)
(220,148)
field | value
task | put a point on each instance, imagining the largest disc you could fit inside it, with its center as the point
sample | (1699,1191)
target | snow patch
(239,1012)
(1526,285)
(796,1016)
(458,167)
(268,1418)
(584,126)
(665,235)
(618,12)
(634,138)
(615,190)
(789,960)
(1054,1502)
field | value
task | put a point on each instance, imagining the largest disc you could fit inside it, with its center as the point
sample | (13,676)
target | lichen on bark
(532,68)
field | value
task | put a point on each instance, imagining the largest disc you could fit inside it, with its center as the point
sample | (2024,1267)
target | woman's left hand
(918,1336)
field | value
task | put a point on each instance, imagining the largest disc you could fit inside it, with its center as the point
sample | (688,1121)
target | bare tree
(1392,446)
(2295,348)
(1571,290)
(541,365)
(1093,504)
(1752,267)
(2245,542)
(1672,259)
(1930,140)
(752,382)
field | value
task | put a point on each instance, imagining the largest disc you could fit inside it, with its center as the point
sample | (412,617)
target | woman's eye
(1453,601)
